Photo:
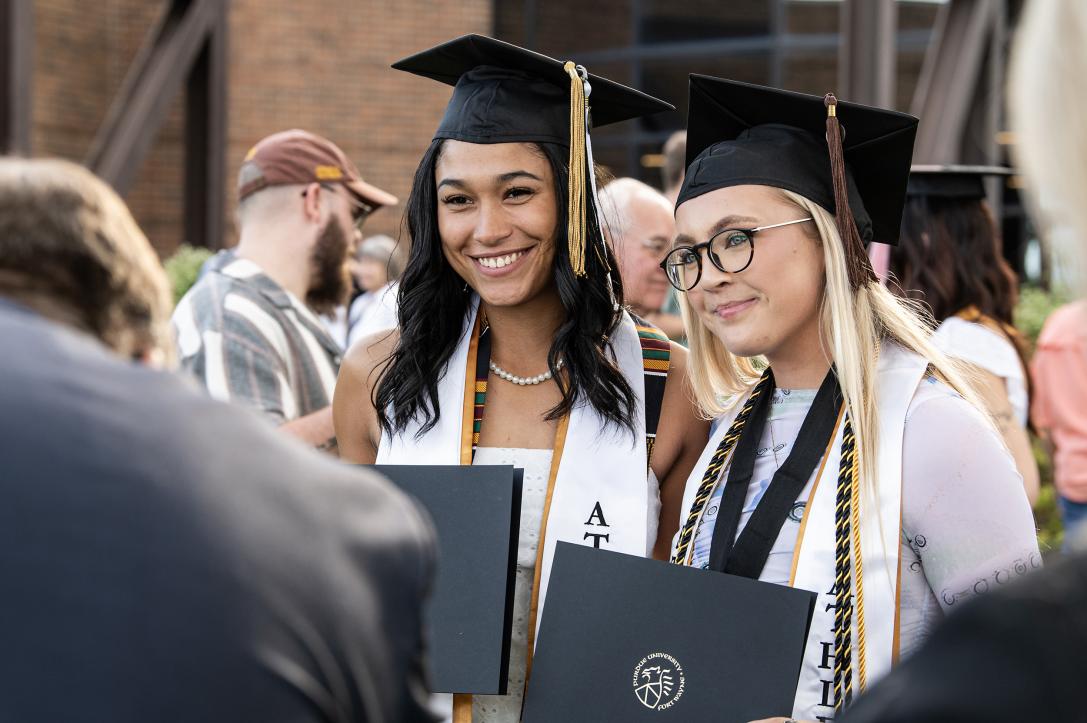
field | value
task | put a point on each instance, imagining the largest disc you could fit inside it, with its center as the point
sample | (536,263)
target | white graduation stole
(898,376)
(598,493)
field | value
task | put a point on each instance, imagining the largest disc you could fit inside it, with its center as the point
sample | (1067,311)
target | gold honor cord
(858,565)
(575,222)
(848,565)
(713,471)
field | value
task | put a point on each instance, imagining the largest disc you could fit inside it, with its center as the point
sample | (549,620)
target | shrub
(183,268)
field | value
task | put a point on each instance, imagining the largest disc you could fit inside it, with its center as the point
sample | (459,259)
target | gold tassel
(575,223)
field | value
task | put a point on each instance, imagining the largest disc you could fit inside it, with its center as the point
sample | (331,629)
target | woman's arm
(353,415)
(681,436)
(963,505)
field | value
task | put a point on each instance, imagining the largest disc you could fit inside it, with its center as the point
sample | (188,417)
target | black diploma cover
(625,639)
(477,514)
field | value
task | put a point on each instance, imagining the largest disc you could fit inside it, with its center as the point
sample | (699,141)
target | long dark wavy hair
(433,306)
(949,258)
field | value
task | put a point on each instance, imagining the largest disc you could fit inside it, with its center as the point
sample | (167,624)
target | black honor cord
(747,556)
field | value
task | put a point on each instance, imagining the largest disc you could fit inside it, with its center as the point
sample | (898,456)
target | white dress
(983,347)
(537,466)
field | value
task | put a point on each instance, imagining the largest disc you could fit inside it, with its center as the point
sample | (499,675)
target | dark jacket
(164,557)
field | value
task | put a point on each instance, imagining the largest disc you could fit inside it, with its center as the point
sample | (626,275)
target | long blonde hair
(853,327)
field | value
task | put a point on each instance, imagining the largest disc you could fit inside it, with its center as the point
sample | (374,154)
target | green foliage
(1046,511)
(183,267)
(1035,305)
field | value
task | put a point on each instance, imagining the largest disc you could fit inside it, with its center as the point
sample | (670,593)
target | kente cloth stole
(656,361)
(848,558)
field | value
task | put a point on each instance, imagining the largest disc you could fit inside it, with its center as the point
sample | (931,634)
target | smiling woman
(497,219)
(513,346)
(851,458)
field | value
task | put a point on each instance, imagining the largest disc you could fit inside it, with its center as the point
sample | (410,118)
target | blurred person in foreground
(1016,655)
(949,259)
(67,254)
(639,228)
(1059,407)
(249,329)
(166,557)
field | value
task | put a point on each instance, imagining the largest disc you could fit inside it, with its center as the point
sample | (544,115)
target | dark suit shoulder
(219,569)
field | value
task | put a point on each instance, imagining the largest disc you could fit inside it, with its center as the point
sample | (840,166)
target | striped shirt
(252,342)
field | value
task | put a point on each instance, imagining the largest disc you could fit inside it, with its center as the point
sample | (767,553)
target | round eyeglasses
(730,250)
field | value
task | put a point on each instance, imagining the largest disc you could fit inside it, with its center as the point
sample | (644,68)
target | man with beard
(248,329)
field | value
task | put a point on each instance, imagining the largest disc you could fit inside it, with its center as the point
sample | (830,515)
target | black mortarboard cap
(505,94)
(962,182)
(740,134)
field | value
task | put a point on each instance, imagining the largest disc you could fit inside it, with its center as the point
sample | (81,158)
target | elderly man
(166,557)
(639,226)
(249,329)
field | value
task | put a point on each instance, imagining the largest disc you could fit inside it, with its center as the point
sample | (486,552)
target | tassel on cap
(858,265)
(575,224)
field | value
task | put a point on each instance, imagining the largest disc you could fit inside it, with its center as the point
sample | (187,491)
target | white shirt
(378,314)
(983,347)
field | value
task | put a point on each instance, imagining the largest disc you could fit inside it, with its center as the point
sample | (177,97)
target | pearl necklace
(523,381)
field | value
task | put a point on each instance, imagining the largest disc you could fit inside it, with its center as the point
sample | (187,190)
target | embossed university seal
(658,681)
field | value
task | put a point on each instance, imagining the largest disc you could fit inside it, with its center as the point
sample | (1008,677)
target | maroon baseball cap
(298,156)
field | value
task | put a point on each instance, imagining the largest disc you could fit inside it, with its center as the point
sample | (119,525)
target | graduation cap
(839,155)
(962,182)
(506,94)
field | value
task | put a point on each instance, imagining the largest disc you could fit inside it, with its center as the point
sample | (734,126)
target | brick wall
(324,67)
(319,66)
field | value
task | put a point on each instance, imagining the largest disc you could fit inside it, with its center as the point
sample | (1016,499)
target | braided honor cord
(713,471)
(847,541)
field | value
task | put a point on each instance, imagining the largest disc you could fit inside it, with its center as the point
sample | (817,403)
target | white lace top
(537,466)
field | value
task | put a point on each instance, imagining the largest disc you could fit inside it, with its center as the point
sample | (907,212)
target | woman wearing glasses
(849,457)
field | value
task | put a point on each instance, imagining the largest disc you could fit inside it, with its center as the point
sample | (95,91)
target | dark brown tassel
(858,265)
